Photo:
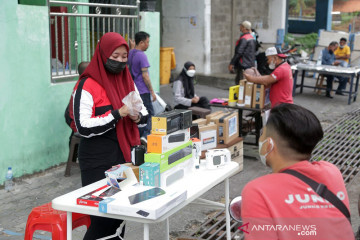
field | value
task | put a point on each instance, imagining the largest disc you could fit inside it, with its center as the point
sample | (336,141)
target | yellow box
(233,93)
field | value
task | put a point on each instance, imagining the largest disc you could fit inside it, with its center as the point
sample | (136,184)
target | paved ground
(42,188)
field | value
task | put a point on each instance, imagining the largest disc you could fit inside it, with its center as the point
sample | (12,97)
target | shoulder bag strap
(323,191)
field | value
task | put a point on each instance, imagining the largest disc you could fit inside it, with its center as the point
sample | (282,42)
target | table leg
(227,214)
(302,81)
(167,232)
(68,225)
(295,81)
(146,231)
(257,127)
(356,86)
(240,122)
(351,87)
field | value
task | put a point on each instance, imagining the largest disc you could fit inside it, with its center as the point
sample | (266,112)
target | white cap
(271,51)
(246,24)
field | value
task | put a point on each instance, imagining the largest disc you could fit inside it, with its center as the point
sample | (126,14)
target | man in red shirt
(280,80)
(282,206)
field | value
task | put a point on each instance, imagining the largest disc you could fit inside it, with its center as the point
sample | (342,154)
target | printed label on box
(247,100)
(241,92)
(232,126)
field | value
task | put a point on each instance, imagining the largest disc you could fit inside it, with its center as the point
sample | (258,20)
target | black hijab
(188,82)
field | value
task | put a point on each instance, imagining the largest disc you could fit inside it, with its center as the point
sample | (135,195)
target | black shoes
(328,95)
(339,93)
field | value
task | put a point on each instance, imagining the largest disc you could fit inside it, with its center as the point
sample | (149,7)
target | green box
(172,157)
(149,174)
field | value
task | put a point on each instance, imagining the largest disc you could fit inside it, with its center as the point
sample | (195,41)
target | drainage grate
(341,145)
(215,228)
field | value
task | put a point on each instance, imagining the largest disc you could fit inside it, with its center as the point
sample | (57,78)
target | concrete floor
(42,188)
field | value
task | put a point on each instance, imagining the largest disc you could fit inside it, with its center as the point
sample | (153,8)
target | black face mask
(114,67)
(331,51)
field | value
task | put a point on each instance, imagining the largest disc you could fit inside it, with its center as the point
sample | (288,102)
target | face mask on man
(272,64)
(341,46)
(263,157)
(331,51)
(114,67)
(190,73)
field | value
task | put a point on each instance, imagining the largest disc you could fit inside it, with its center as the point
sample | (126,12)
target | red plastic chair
(46,218)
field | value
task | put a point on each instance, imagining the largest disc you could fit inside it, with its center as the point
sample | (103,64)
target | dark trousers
(203,103)
(330,80)
(239,75)
(100,226)
(144,131)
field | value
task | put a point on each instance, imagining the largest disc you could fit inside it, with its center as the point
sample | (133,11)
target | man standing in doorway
(244,56)
(139,65)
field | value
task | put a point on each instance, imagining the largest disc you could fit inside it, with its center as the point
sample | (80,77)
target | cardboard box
(208,136)
(134,168)
(228,128)
(248,94)
(233,95)
(165,123)
(150,174)
(241,96)
(172,157)
(162,143)
(258,96)
(152,208)
(200,121)
(211,115)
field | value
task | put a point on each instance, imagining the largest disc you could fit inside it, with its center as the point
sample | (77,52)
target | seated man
(283,206)
(342,53)
(184,92)
(328,58)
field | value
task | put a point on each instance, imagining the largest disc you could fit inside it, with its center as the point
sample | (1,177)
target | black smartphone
(146,195)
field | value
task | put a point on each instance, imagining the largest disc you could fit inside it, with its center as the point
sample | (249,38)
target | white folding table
(197,183)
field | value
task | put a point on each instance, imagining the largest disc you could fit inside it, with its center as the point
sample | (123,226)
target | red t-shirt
(281,90)
(281,206)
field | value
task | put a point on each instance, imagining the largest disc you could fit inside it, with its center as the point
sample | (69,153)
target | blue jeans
(144,131)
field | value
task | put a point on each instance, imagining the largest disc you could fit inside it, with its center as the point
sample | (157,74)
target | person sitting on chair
(184,92)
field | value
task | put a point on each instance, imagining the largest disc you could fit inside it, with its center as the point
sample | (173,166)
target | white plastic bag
(159,105)
(134,103)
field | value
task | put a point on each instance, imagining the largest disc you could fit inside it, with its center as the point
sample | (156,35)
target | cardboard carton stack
(251,95)
(169,146)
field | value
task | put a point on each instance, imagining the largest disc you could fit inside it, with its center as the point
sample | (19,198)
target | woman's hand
(195,99)
(124,111)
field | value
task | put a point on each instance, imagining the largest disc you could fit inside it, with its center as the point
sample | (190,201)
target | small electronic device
(143,213)
(146,195)
(137,155)
(216,158)
(185,118)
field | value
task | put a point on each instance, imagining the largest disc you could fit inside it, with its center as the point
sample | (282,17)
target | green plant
(307,42)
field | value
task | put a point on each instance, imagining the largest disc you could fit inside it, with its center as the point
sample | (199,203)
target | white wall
(276,20)
(188,41)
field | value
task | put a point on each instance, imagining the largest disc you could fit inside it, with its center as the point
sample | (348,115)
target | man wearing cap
(244,56)
(280,80)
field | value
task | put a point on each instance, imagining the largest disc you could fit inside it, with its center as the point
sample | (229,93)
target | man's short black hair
(296,125)
(343,39)
(141,36)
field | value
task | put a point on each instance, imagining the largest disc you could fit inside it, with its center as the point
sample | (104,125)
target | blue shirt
(327,58)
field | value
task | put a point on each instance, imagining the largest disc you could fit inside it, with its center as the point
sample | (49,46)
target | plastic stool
(74,143)
(46,218)
(198,111)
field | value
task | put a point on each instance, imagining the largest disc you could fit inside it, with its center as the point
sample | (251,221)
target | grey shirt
(179,94)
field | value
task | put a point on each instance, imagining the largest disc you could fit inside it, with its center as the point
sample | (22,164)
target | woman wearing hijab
(100,116)
(183,89)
